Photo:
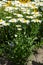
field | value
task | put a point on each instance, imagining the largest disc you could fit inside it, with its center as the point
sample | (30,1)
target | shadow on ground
(36,63)
(6,62)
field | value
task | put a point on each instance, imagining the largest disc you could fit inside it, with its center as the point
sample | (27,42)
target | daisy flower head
(36,20)
(22,20)
(2,21)
(9,9)
(6,24)
(19,15)
(13,20)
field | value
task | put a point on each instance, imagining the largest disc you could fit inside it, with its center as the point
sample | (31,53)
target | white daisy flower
(22,20)
(27,21)
(0,4)
(4,0)
(30,17)
(8,17)
(17,3)
(28,11)
(33,6)
(37,0)
(18,25)
(6,24)
(13,3)
(41,3)
(19,15)
(15,35)
(35,13)
(2,21)
(9,9)
(14,13)
(23,9)
(36,20)
(16,8)
(19,29)
(13,20)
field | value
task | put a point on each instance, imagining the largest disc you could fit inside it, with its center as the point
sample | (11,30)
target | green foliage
(18,40)
(17,45)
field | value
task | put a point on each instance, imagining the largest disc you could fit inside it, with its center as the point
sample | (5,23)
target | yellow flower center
(25,21)
(37,20)
(35,10)
(0,20)
(8,3)
(33,5)
(24,1)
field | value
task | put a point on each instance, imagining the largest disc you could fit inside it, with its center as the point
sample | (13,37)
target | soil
(36,59)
